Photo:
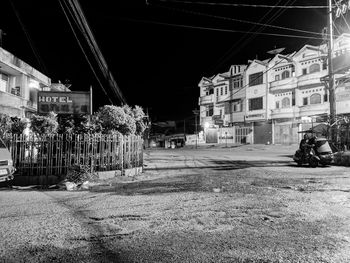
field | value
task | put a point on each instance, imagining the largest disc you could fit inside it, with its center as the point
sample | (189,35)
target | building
(19,85)
(222,102)
(277,97)
(258,100)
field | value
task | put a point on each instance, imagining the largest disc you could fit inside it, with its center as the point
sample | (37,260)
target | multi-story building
(19,85)
(258,99)
(299,91)
(281,96)
(222,98)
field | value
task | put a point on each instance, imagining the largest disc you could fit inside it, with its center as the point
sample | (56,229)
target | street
(211,204)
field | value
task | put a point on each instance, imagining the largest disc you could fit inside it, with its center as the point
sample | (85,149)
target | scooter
(319,153)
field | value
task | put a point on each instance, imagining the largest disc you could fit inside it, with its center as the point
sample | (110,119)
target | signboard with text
(75,102)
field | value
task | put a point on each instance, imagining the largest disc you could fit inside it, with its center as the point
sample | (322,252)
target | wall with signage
(77,102)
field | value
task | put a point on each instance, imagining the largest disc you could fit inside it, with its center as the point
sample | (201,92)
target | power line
(241,42)
(81,47)
(218,29)
(247,5)
(32,46)
(239,20)
(75,6)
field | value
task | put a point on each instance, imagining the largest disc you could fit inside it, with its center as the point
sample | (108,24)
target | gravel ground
(236,204)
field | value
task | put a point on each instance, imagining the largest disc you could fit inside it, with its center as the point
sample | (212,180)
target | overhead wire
(238,20)
(31,43)
(246,5)
(95,49)
(62,2)
(218,29)
(242,42)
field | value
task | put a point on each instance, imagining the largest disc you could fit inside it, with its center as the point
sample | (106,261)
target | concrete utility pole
(196,112)
(331,86)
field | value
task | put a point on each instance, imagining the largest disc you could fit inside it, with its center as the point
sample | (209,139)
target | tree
(18,125)
(44,125)
(115,119)
(5,124)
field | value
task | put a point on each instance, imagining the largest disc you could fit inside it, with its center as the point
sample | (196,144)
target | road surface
(236,204)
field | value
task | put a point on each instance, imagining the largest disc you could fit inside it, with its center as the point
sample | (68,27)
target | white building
(258,99)
(19,85)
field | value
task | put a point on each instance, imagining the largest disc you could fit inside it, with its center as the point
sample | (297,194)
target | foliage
(18,125)
(5,124)
(114,119)
(139,116)
(44,125)
(87,124)
(65,124)
(80,173)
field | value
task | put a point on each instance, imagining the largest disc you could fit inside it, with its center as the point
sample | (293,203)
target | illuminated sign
(77,102)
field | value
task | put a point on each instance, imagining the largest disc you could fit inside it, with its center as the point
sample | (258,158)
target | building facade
(19,86)
(280,96)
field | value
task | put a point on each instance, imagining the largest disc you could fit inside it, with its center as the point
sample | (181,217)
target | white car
(6,163)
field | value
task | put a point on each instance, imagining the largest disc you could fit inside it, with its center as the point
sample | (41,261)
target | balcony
(310,79)
(314,109)
(291,112)
(284,84)
(209,99)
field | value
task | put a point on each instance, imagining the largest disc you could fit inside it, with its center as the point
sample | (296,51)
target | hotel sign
(77,102)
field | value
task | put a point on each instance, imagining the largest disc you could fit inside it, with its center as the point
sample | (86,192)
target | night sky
(156,65)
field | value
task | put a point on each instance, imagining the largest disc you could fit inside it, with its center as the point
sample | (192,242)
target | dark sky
(156,66)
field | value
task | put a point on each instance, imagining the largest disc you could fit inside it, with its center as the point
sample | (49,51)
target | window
(293,98)
(315,98)
(211,91)
(256,104)
(305,101)
(256,79)
(220,112)
(325,97)
(285,103)
(4,82)
(237,82)
(225,90)
(277,104)
(237,106)
(304,71)
(16,91)
(314,68)
(285,74)
(217,92)
(324,65)
(277,77)
(221,91)
(210,111)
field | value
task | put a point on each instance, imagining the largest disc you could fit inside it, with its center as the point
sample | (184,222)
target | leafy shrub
(18,125)
(5,124)
(44,125)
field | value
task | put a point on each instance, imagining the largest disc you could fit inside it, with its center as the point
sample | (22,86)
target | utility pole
(331,86)
(196,112)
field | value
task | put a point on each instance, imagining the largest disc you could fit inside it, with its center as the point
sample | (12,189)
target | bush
(18,125)
(5,124)
(44,125)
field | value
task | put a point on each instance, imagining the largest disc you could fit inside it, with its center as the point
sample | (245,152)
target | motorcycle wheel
(313,162)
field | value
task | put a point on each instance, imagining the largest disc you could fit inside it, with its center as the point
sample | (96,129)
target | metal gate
(241,134)
(211,135)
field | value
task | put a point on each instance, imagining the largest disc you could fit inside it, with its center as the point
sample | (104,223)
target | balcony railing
(287,83)
(289,112)
(206,99)
(310,79)
(314,109)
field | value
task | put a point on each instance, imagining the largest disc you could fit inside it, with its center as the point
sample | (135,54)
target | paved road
(239,204)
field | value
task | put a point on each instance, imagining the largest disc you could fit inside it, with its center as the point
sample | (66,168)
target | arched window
(285,74)
(285,103)
(315,98)
(314,68)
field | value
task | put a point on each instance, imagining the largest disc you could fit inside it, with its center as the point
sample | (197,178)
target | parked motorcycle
(319,153)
